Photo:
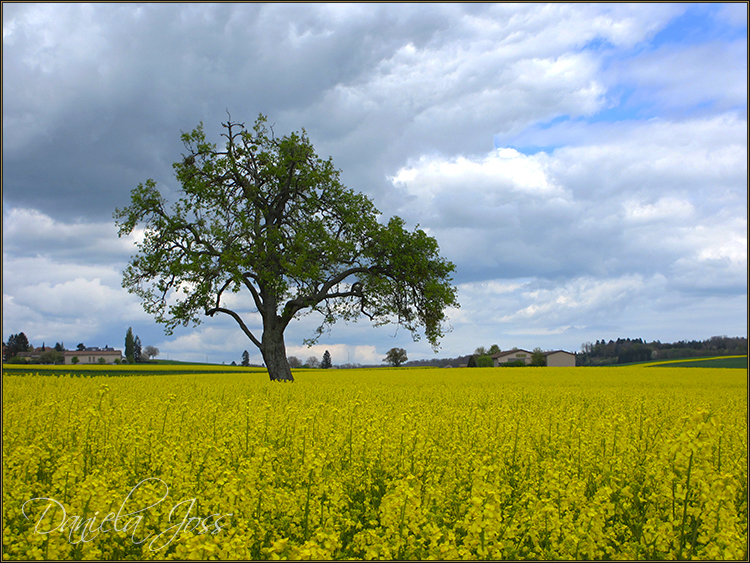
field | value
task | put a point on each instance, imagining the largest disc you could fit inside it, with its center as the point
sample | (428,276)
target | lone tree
(326,363)
(266,215)
(396,356)
(150,352)
(129,346)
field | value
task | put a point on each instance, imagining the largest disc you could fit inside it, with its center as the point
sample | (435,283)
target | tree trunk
(274,354)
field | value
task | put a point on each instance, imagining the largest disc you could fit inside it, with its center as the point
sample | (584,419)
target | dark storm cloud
(95,96)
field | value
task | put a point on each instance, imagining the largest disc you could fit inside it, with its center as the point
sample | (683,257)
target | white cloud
(29,232)
(664,209)
(634,202)
(563,315)
(50,299)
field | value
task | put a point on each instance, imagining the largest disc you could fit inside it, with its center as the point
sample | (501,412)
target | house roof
(94,351)
(508,352)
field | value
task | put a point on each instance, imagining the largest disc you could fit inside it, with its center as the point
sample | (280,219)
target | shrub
(485,362)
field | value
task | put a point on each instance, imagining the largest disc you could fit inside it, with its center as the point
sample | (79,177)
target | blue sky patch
(699,24)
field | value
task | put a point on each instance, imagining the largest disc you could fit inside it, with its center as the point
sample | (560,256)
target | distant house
(35,353)
(515,355)
(555,358)
(93,355)
(560,358)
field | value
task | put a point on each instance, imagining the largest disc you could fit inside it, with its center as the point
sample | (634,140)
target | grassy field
(731,362)
(482,463)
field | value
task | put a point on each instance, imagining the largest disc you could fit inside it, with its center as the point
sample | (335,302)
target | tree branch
(294,305)
(256,296)
(236,317)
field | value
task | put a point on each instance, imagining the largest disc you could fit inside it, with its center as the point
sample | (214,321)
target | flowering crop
(482,463)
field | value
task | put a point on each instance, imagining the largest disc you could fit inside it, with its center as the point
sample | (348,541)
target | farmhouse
(104,355)
(555,358)
(515,355)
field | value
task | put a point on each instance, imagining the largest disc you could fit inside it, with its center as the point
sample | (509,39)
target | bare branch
(236,317)
(256,296)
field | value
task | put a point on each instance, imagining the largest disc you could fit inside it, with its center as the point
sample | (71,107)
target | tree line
(626,350)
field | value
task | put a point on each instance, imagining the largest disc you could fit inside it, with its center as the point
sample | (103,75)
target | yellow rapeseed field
(484,463)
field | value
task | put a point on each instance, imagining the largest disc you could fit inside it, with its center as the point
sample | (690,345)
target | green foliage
(482,351)
(17,360)
(472,362)
(245,358)
(538,358)
(267,215)
(51,357)
(74,360)
(17,343)
(485,362)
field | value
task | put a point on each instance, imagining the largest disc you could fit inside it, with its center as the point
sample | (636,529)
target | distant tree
(233,363)
(472,361)
(494,349)
(538,358)
(81,346)
(480,351)
(137,349)
(396,356)
(101,361)
(294,362)
(59,347)
(129,345)
(150,352)
(245,358)
(326,363)
(313,362)
(267,215)
(74,360)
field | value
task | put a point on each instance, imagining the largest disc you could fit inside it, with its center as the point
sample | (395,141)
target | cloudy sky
(583,165)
